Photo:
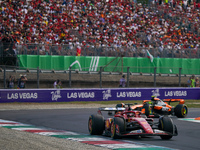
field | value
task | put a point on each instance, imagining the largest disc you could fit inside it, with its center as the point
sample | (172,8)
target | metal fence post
(38,78)
(70,73)
(154,76)
(4,76)
(180,77)
(100,77)
(128,76)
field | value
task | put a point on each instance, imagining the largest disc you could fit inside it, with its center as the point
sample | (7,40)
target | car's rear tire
(147,109)
(96,124)
(117,126)
(181,110)
(166,124)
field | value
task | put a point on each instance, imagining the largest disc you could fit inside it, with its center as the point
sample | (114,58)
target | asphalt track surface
(76,120)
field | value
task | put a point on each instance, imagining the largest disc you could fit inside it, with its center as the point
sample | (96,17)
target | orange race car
(156,107)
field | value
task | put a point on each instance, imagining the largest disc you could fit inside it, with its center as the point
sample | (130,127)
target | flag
(149,56)
(78,51)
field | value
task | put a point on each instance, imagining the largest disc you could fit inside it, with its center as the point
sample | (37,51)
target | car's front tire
(166,124)
(117,127)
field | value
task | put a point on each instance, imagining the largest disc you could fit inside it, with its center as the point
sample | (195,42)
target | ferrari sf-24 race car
(126,122)
(156,107)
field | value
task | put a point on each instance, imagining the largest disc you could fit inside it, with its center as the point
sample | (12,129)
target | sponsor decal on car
(136,131)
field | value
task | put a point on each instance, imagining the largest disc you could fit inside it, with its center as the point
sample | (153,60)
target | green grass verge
(193,103)
(189,103)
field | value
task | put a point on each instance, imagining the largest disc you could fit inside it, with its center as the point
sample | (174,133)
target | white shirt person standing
(57,84)
(122,81)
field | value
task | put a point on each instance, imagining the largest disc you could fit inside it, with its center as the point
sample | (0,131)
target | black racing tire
(117,121)
(181,110)
(96,124)
(166,124)
(147,109)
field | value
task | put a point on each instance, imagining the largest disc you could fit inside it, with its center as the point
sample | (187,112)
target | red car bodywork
(127,122)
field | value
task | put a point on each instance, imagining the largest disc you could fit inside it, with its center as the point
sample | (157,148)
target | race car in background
(126,122)
(156,107)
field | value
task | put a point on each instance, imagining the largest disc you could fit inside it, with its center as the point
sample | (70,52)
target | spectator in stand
(107,22)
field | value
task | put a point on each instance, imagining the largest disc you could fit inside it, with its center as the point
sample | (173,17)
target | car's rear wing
(110,110)
(181,101)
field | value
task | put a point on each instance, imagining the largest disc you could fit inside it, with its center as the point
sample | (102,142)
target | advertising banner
(113,64)
(104,94)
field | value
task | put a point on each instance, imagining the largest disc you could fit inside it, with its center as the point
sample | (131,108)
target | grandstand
(101,27)
(117,28)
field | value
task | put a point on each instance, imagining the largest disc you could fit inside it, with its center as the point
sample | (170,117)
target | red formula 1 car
(127,122)
(156,107)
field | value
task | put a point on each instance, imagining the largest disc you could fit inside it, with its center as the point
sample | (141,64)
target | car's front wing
(156,132)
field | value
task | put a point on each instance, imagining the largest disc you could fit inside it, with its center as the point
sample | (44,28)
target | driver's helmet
(120,105)
(153,98)
(130,114)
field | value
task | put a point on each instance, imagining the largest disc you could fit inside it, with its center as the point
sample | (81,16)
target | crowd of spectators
(171,24)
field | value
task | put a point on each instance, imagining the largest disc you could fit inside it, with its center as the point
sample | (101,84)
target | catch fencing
(70,78)
(10,56)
